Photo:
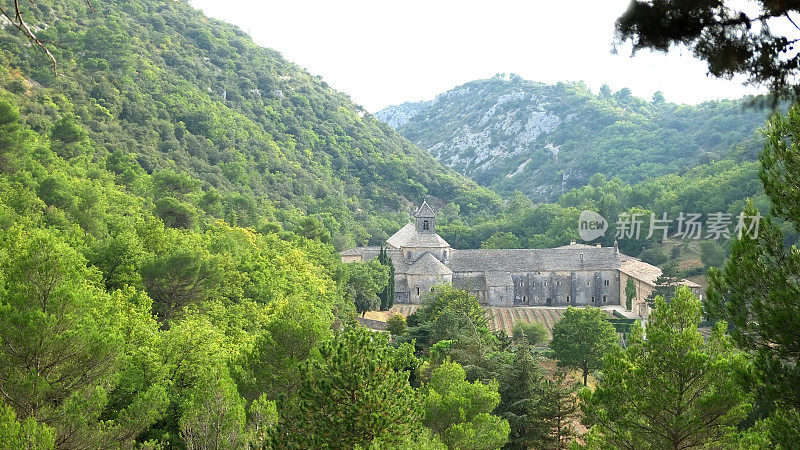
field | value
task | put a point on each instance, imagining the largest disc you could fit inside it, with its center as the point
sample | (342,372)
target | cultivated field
(499,318)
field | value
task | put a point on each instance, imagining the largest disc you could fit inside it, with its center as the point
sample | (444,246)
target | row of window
(550,300)
(558,283)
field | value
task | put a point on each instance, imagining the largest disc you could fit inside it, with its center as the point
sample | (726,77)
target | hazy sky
(387,52)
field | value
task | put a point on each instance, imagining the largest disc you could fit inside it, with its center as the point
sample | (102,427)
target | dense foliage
(227,129)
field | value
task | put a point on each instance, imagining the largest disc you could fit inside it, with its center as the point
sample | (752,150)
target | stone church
(572,275)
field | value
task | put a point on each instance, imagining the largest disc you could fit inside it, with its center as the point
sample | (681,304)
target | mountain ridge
(511,134)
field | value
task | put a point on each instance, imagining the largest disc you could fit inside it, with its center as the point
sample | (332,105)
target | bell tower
(425,219)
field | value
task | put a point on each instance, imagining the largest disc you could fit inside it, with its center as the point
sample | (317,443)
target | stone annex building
(575,274)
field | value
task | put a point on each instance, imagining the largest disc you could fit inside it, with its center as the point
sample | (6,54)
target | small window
(558,283)
(544,283)
(605,282)
(568,299)
(521,284)
(587,282)
(593,299)
(425,225)
(605,298)
(525,298)
(417,290)
(431,288)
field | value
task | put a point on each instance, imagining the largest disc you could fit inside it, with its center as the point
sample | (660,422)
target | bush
(396,324)
(534,332)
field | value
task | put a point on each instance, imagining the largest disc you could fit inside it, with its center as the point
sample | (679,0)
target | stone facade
(572,275)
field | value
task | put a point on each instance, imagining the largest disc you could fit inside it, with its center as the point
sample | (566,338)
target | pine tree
(522,400)
(358,391)
(561,409)
(672,390)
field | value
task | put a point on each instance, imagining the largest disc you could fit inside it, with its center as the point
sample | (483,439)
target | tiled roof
(360,251)
(402,236)
(427,264)
(640,270)
(535,260)
(426,240)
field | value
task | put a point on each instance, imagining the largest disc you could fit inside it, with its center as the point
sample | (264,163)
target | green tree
(756,291)
(182,275)
(213,412)
(733,38)
(387,294)
(294,329)
(522,390)
(29,434)
(712,254)
(581,338)
(396,324)
(630,293)
(355,392)
(534,333)
(665,283)
(561,409)
(364,281)
(460,412)
(452,315)
(672,390)
(312,228)
(67,348)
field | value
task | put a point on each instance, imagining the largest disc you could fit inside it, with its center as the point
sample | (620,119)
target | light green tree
(396,324)
(356,391)
(534,333)
(364,281)
(672,390)
(29,434)
(71,354)
(460,412)
(581,338)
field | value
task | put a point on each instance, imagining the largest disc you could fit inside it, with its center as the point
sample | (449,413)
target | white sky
(384,52)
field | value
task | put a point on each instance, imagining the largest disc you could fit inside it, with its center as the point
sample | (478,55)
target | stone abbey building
(572,275)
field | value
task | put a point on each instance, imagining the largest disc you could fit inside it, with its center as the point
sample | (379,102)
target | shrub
(396,324)
(534,333)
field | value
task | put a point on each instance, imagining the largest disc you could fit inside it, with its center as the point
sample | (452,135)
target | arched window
(605,298)
(425,225)
(593,299)
(524,299)
(568,299)
(417,290)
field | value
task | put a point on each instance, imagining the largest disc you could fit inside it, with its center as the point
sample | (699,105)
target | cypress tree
(387,294)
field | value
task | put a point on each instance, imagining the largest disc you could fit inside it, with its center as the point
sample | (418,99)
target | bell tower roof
(425,211)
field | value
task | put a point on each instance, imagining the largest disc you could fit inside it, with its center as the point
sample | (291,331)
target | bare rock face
(398,115)
(512,134)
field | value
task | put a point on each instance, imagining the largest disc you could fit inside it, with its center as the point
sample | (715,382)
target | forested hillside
(543,140)
(155,87)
